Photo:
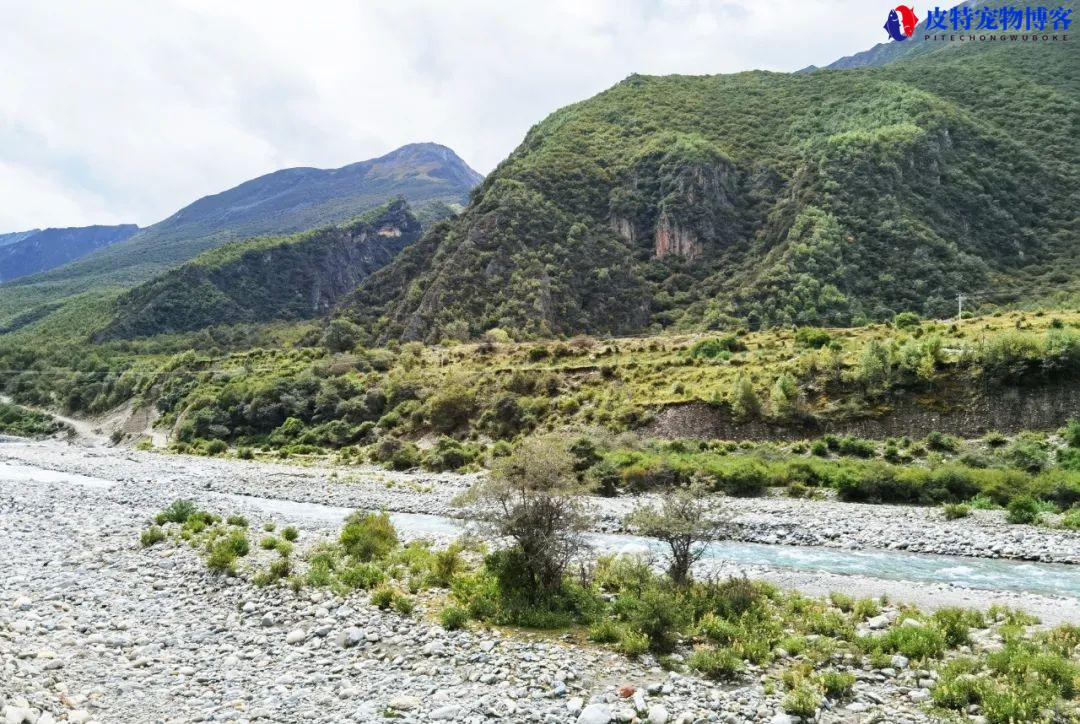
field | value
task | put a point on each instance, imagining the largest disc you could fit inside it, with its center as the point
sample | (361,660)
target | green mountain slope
(259,280)
(762,198)
(283,202)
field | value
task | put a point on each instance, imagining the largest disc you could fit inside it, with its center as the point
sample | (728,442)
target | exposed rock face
(683,197)
(671,239)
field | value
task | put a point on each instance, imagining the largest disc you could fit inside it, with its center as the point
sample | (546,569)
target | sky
(119,112)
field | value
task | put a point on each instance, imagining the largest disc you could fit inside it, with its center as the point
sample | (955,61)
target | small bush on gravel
(290,533)
(178,512)
(719,664)
(383,597)
(924,641)
(150,536)
(368,536)
(632,643)
(1071,519)
(954,511)
(866,608)
(802,701)
(269,526)
(1023,510)
(842,601)
(956,623)
(363,576)
(403,604)
(837,684)
(268,543)
(238,520)
(453,618)
(606,631)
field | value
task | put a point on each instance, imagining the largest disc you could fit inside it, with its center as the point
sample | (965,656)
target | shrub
(856,447)
(819,448)
(842,601)
(716,347)
(941,442)
(659,614)
(913,641)
(362,576)
(719,664)
(837,684)
(802,701)
(954,511)
(383,597)
(632,643)
(238,520)
(245,453)
(1072,433)
(955,624)
(1023,509)
(403,604)
(290,533)
(865,608)
(453,618)
(687,522)
(605,631)
(450,407)
(150,536)
(907,320)
(268,543)
(812,337)
(1071,519)
(178,512)
(216,447)
(368,536)
(225,550)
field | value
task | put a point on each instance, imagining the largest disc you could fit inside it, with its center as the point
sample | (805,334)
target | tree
(744,401)
(686,521)
(340,335)
(531,497)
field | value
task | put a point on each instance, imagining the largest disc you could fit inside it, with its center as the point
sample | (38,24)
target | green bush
(150,536)
(290,533)
(216,447)
(238,520)
(716,346)
(605,631)
(954,511)
(1072,433)
(268,543)
(956,623)
(178,512)
(453,618)
(368,536)
(719,664)
(362,576)
(632,643)
(837,684)
(923,641)
(660,615)
(1023,510)
(812,337)
(802,701)
(1071,519)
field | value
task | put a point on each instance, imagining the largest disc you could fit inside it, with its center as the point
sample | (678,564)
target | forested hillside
(293,277)
(832,197)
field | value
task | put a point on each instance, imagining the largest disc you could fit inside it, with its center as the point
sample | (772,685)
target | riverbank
(92,627)
(771,520)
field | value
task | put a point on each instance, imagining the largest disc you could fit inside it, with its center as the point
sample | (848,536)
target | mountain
(282,202)
(29,252)
(15,237)
(829,197)
(293,277)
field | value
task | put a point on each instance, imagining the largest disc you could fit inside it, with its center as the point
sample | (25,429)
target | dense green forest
(829,197)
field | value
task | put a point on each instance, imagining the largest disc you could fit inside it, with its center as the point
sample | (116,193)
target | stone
(404,703)
(782,718)
(445,713)
(574,705)
(78,716)
(297,635)
(898,661)
(595,714)
(878,622)
(626,691)
(658,714)
(350,637)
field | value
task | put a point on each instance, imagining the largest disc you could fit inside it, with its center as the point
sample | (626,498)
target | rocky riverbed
(95,628)
(771,520)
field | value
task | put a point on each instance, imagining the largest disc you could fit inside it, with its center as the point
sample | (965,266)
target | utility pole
(960,307)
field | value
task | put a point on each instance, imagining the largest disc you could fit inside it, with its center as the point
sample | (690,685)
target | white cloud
(125,111)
